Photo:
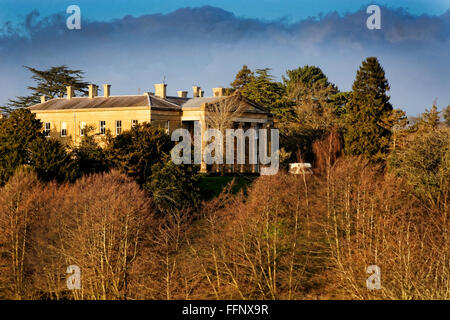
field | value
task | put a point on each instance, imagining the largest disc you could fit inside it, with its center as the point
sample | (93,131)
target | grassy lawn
(212,186)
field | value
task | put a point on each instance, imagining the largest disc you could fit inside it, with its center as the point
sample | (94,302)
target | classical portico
(66,118)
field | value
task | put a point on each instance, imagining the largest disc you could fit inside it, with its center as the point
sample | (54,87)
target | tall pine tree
(263,89)
(369,113)
(17,132)
(51,83)
(243,77)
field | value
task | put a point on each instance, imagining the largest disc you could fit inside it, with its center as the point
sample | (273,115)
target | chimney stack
(106,90)
(182,94)
(201,93)
(92,90)
(218,92)
(196,90)
(43,98)
(160,90)
(69,92)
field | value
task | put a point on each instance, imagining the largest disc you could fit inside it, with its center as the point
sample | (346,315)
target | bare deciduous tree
(17,217)
(222,114)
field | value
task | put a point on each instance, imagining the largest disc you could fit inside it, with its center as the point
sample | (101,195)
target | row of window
(102,127)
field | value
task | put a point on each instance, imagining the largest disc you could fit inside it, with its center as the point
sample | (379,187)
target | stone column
(241,166)
(254,126)
(267,126)
(234,165)
(203,168)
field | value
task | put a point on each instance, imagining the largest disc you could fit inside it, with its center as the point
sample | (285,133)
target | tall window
(167,126)
(47,129)
(102,127)
(63,129)
(82,128)
(118,127)
(134,123)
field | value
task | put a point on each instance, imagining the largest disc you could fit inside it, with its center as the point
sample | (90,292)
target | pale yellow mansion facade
(66,118)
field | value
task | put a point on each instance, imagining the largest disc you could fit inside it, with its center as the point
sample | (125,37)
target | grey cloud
(208,45)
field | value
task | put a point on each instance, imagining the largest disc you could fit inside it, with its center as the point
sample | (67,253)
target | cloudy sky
(134,44)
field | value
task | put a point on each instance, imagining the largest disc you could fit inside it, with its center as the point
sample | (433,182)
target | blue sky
(262,9)
(190,44)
